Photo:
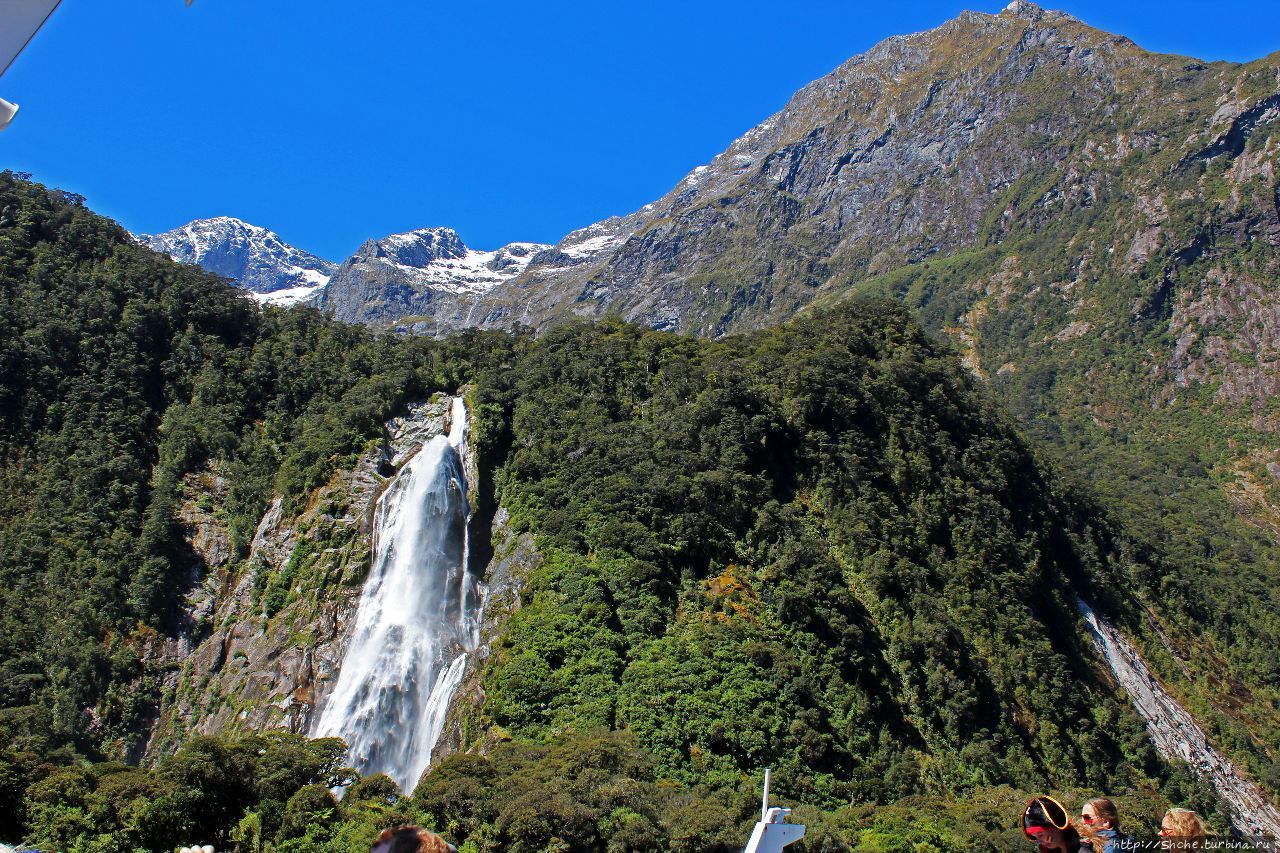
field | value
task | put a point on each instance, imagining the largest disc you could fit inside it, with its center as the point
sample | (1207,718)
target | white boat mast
(772,833)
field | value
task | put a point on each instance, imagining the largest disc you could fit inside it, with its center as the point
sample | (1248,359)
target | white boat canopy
(19,21)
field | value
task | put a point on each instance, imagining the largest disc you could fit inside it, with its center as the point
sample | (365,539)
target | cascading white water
(417,620)
(1176,734)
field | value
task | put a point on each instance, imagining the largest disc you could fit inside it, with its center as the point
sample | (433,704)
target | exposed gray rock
(257,259)
(977,133)
(239,668)
(1175,732)
(427,274)
(515,555)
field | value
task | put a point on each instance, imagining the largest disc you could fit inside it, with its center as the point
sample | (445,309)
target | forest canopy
(820,547)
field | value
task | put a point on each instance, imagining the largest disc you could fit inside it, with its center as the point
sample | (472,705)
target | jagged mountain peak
(427,271)
(897,155)
(1032,13)
(416,248)
(904,152)
(254,256)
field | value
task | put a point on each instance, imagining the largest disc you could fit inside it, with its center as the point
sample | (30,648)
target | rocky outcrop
(264,636)
(1175,732)
(425,280)
(515,555)
(257,259)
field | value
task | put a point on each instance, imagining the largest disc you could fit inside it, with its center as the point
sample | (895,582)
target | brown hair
(411,839)
(1105,810)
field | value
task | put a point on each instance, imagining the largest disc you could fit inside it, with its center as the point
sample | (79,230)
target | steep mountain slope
(279,274)
(1095,226)
(912,150)
(819,547)
(985,129)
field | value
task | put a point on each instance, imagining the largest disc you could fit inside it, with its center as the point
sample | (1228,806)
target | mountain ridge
(417,272)
(661,267)
(255,257)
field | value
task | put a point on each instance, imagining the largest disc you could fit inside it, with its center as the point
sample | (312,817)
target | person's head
(1045,822)
(1183,823)
(410,839)
(1100,813)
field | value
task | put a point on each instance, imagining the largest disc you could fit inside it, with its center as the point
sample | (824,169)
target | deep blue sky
(331,122)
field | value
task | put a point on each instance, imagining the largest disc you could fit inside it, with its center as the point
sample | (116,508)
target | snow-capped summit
(255,257)
(418,248)
(437,258)
(404,275)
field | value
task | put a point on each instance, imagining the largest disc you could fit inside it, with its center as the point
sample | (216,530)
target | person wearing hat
(410,839)
(1045,822)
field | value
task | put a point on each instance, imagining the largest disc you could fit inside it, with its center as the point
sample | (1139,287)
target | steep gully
(418,618)
(1175,732)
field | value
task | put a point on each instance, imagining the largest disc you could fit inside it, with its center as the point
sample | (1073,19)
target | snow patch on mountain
(592,241)
(255,257)
(288,296)
(437,259)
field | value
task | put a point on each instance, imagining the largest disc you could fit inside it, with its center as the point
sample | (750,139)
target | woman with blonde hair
(1185,828)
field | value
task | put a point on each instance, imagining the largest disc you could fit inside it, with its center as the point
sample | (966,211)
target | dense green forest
(1179,462)
(597,790)
(820,548)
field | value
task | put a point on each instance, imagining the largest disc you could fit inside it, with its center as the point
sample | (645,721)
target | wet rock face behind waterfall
(264,637)
(514,556)
(418,617)
(236,669)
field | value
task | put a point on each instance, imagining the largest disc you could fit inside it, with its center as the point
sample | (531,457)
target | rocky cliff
(426,280)
(515,555)
(257,259)
(264,637)
(1176,733)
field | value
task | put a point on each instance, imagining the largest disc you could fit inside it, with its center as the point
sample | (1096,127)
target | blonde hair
(1184,823)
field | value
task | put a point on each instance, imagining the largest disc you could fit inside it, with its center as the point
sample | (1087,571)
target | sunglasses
(1087,818)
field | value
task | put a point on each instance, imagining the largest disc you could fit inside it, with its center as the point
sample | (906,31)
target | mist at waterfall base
(417,619)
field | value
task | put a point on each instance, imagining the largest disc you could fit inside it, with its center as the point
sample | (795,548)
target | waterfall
(418,617)
(1175,732)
